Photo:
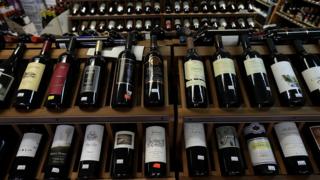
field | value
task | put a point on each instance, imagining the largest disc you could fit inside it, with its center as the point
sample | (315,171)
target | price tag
(115,51)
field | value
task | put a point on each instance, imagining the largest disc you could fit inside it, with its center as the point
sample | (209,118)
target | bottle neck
(299,46)
(190,44)
(218,42)
(271,46)
(245,42)
(129,42)
(154,43)
(46,48)
(72,45)
(98,48)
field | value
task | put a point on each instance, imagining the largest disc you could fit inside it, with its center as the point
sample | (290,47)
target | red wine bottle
(91,151)
(8,75)
(231,161)
(123,88)
(287,82)
(153,76)
(260,150)
(195,80)
(293,151)
(155,162)
(35,79)
(196,149)
(60,153)
(257,79)
(63,79)
(92,80)
(226,78)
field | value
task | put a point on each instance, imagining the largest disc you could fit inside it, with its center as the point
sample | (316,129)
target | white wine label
(29,145)
(194,135)
(285,77)
(194,73)
(63,136)
(254,65)
(90,79)
(227,137)
(92,143)
(312,78)
(260,151)
(223,66)
(124,139)
(290,139)
(196,83)
(32,76)
(315,131)
(5,84)
(155,144)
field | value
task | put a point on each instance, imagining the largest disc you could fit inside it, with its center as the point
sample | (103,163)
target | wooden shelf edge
(291,19)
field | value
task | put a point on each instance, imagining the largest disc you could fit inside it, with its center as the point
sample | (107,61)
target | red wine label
(194,135)
(29,145)
(153,70)
(194,73)
(32,77)
(91,148)
(124,139)
(58,79)
(90,79)
(315,131)
(290,139)
(223,66)
(155,144)
(227,137)
(5,84)
(312,78)
(254,65)
(260,151)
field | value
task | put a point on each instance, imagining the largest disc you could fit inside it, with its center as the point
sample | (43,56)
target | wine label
(153,68)
(124,139)
(126,71)
(194,73)
(260,151)
(5,84)
(290,139)
(227,137)
(29,145)
(155,144)
(92,143)
(58,78)
(63,136)
(285,77)
(32,76)
(254,65)
(90,79)
(223,66)
(194,135)
(312,78)
(315,131)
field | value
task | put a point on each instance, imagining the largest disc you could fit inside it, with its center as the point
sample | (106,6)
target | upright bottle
(27,159)
(257,79)
(260,150)
(227,84)
(309,66)
(196,149)
(8,75)
(123,88)
(63,79)
(60,153)
(155,162)
(195,80)
(91,151)
(153,76)
(35,79)
(287,82)
(293,150)
(92,80)
(231,160)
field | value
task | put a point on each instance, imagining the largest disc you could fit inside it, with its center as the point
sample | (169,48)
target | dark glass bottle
(227,84)
(157,7)
(138,7)
(75,9)
(186,6)
(231,6)
(101,27)
(148,7)
(195,79)
(222,6)
(112,9)
(93,8)
(177,7)
(123,88)
(168,8)
(288,86)
(102,9)
(84,9)
(213,6)
(195,6)
(130,8)
(120,7)
(204,6)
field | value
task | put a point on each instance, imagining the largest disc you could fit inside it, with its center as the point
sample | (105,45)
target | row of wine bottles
(261,151)
(61,152)
(254,74)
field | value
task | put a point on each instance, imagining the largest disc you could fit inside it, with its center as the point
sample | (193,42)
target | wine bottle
(102,9)
(8,75)
(168,25)
(111,25)
(60,153)
(240,5)
(312,135)
(260,150)
(120,7)
(91,151)
(129,25)
(223,23)
(123,154)
(204,6)
(84,26)
(35,79)
(186,6)
(157,7)
(195,6)
(75,27)
(155,162)
(75,9)
(250,6)
(92,80)
(287,82)
(177,7)
(213,6)
(293,150)
(231,6)
(227,84)
(138,7)
(242,23)
(112,8)
(147,25)
(27,159)
(120,26)
(195,24)
(230,157)
(309,66)
(93,8)
(168,8)
(123,88)
(222,6)
(93,25)
(251,23)
(63,79)
(214,23)
(130,8)
(204,22)
(232,24)
(138,26)
(186,23)
(196,149)
(84,9)
(257,78)
(153,76)
(177,24)
(195,79)
(147,7)
(101,27)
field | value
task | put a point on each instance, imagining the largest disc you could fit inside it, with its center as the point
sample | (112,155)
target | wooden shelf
(293,20)
(312,2)
(114,17)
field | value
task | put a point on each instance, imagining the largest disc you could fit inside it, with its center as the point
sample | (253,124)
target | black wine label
(90,79)
(58,155)
(5,84)
(153,69)
(126,70)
